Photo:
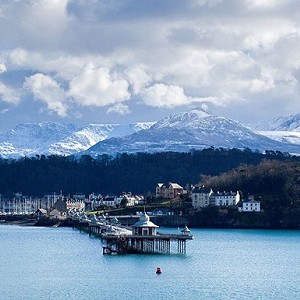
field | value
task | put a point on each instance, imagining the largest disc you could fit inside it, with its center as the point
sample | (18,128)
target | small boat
(158,271)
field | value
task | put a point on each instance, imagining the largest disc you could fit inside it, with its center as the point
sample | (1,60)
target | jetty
(140,238)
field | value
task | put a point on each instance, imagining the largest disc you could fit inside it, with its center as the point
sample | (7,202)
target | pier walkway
(142,237)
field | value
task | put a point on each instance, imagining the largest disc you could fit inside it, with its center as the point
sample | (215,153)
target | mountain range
(48,138)
(195,129)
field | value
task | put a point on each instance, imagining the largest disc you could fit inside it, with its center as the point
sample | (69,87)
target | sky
(125,61)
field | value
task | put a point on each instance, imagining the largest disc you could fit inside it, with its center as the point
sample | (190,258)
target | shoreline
(65,223)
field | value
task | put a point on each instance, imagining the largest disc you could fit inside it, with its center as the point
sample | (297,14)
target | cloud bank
(117,55)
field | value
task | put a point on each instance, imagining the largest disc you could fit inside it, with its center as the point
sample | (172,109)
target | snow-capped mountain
(33,138)
(283,123)
(282,129)
(195,129)
(47,138)
(291,137)
(92,134)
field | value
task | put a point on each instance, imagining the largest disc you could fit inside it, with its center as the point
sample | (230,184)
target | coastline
(162,221)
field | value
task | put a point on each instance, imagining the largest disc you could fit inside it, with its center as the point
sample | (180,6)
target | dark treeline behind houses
(138,173)
(275,183)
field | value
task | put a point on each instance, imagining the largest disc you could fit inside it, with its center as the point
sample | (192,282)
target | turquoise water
(62,263)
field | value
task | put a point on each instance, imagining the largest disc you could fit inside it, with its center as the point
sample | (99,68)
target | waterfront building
(224,198)
(200,197)
(55,214)
(250,205)
(41,213)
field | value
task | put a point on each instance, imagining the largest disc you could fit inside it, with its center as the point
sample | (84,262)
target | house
(40,213)
(224,198)
(200,196)
(55,214)
(250,205)
(169,191)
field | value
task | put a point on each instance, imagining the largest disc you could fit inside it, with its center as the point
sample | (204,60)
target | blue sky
(96,61)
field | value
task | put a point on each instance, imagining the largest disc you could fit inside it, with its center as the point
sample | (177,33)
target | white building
(200,197)
(250,205)
(109,201)
(225,198)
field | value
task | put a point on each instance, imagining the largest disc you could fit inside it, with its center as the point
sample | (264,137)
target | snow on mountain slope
(283,123)
(47,138)
(92,134)
(292,137)
(282,129)
(195,129)
(33,138)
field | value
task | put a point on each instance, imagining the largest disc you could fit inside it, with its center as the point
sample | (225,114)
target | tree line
(275,183)
(138,173)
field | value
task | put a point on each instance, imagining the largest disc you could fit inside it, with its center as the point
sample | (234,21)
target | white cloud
(47,90)
(8,94)
(169,96)
(96,54)
(263,4)
(119,108)
(2,68)
(138,78)
(98,87)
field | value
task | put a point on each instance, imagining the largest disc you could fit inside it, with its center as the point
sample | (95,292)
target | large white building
(250,205)
(225,198)
(200,197)
(203,197)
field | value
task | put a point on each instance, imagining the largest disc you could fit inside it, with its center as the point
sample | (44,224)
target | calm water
(62,263)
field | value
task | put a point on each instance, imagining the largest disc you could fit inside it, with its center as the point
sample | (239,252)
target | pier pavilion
(141,238)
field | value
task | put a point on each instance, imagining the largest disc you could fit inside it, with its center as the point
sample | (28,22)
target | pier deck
(141,238)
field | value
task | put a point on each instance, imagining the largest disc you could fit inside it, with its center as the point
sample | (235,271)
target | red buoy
(158,271)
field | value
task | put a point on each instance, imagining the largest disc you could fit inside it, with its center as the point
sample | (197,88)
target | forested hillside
(276,184)
(271,180)
(138,173)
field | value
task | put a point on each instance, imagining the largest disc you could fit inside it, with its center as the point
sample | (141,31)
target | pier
(159,244)
(140,238)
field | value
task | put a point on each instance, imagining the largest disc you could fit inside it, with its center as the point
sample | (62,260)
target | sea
(64,263)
